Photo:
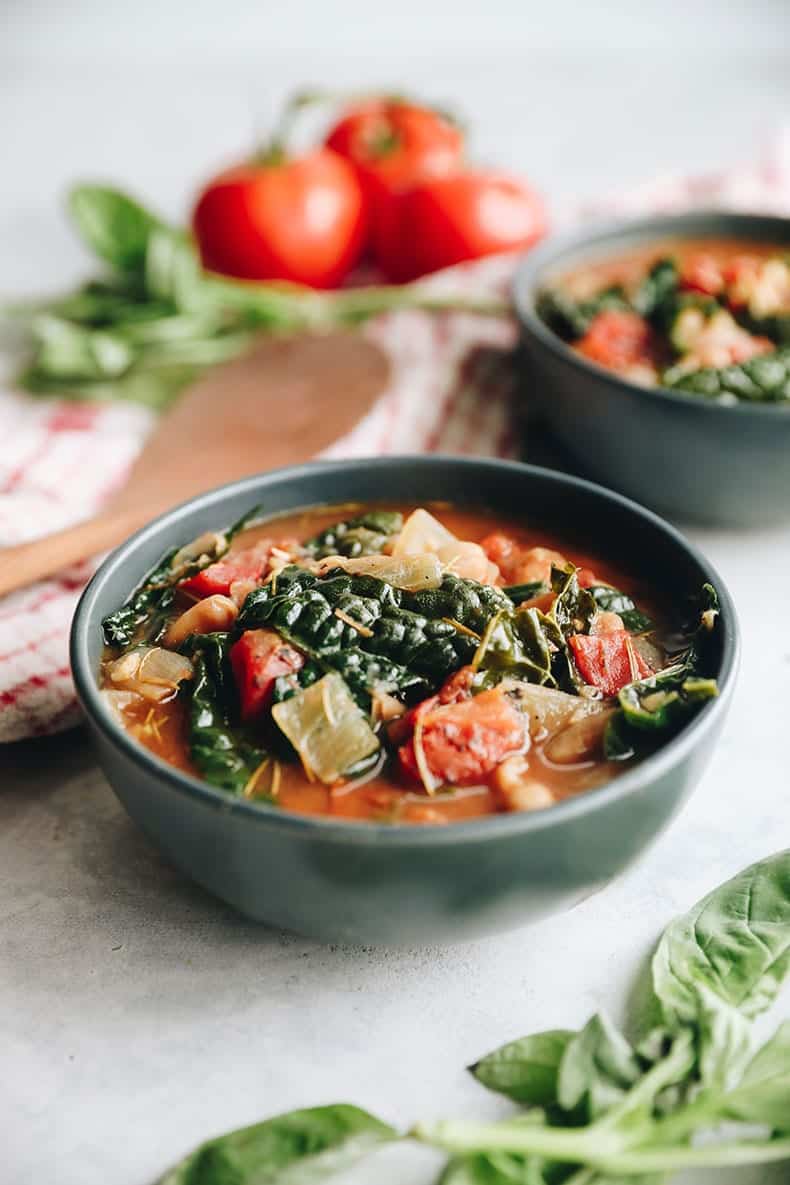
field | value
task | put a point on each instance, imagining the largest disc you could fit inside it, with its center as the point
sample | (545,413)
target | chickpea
(216,613)
(518,789)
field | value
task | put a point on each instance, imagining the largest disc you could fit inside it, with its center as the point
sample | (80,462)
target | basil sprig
(596,1107)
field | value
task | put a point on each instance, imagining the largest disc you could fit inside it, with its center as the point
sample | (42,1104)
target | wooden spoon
(283,402)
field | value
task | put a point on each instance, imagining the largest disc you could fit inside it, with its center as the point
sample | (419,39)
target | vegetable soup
(708,317)
(401,664)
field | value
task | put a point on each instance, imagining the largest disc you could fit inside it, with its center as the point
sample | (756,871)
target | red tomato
(301,220)
(617,339)
(464,742)
(257,659)
(397,143)
(394,145)
(702,273)
(448,220)
(249,564)
(608,661)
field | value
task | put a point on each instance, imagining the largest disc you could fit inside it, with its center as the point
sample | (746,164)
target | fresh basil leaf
(736,942)
(115,227)
(763,1093)
(500,1168)
(597,1068)
(526,1070)
(290,1149)
(67,352)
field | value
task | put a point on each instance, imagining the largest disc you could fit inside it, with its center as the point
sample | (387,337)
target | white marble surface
(137,1015)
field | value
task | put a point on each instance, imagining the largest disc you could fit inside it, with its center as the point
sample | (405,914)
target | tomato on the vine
(394,145)
(466,215)
(396,142)
(301,219)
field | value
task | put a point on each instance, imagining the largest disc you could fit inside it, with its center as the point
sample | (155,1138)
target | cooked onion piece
(207,546)
(578,742)
(548,709)
(327,729)
(151,671)
(423,534)
(411,572)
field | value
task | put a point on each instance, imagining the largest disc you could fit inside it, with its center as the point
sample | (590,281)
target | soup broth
(391,663)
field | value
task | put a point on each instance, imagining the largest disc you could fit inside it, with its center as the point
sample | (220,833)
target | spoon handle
(25,563)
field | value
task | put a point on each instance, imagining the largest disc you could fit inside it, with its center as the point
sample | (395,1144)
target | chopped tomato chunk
(617,339)
(458,687)
(258,659)
(462,743)
(608,661)
(521,565)
(741,274)
(702,273)
(252,563)
(586,577)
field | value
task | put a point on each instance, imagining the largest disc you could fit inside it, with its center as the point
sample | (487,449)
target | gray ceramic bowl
(372,883)
(682,454)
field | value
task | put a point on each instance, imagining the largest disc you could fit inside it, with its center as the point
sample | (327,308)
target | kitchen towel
(452,390)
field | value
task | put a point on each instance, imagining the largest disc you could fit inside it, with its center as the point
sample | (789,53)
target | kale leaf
(659,705)
(221,749)
(762,379)
(611,600)
(363,628)
(570,319)
(144,615)
(364,535)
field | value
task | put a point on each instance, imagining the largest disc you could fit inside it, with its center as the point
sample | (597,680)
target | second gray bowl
(681,454)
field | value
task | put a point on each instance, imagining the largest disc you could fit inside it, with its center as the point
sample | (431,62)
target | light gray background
(136,1015)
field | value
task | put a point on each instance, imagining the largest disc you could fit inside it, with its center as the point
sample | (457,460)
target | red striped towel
(450,392)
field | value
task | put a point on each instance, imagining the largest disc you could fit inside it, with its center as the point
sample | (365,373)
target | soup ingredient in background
(686,1090)
(155,318)
(710,323)
(383,647)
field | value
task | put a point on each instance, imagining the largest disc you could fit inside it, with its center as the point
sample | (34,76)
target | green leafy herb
(219,746)
(611,600)
(596,1108)
(290,1149)
(525,592)
(115,227)
(526,1070)
(656,706)
(156,320)
(364,535)
(656,295)
(143,617)
(763,379)
(371,633)
(571,319)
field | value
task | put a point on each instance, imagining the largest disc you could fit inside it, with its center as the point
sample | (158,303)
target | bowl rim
(393,834)
(526,284)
